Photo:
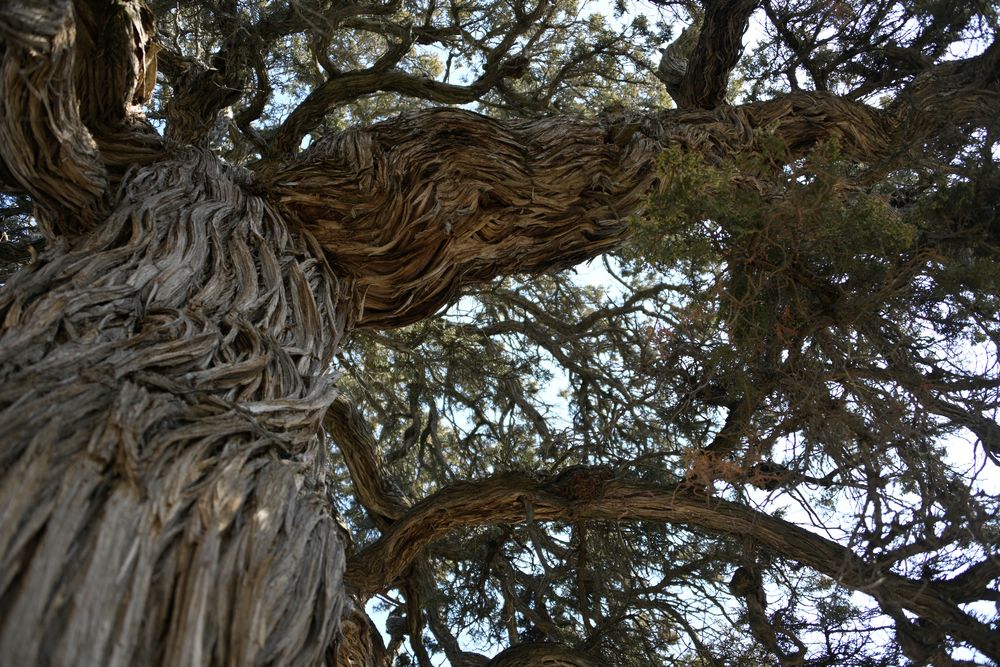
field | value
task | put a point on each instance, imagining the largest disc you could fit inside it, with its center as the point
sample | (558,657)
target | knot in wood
(580,482)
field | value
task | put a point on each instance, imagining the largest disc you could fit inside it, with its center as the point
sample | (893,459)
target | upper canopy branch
(340,88)
(700,79)
(417,206)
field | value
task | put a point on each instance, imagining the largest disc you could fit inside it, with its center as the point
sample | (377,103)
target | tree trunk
(166,366)
(161,477)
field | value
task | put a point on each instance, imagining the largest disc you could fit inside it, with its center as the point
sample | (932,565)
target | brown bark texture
(161,470)
(594,494)
(166,364)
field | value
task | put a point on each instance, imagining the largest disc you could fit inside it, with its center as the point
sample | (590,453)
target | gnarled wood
(116,60)
(116,64)
(436,199)
(352,436)
(413,208)
(541,654)
(45,145)
(161,478)
(705,79)
(162,380)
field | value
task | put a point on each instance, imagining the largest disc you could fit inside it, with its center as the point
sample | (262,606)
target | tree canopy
(761,428)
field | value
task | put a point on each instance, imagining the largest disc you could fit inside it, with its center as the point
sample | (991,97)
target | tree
(807,315)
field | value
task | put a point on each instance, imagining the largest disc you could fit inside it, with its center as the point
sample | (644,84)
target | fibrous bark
(414,208)
(166,364)
(161,477)
(351,435)
(441,198)
(695,67)
(53,157)
(540,654)
(720,45)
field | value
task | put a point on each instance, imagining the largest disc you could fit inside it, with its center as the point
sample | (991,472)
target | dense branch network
(582,493)
(405,215)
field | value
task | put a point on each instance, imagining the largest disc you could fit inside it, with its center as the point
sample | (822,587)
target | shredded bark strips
(163,388)
(167,362)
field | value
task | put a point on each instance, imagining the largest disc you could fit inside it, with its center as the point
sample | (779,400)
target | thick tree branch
(541,654)
(20,251)
(116,65)
(360,643)
(589,494)
(45,145)
(201,91)
(116,59)
(951,94)
(720,44)
(415,207)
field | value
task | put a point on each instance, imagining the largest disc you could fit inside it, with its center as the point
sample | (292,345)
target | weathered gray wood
(161,478)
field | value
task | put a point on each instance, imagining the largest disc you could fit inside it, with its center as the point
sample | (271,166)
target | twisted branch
(590,495)
(45,145)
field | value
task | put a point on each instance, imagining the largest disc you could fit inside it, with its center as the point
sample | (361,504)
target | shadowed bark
(541,655)
(54,158)
(720,44)
(160,471)
(380,498)
(166,364)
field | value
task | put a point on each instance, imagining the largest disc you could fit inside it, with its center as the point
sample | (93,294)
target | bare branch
(116,67)
(591,495)
(383,501)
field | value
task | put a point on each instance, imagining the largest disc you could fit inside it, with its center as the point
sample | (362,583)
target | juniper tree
(779,424)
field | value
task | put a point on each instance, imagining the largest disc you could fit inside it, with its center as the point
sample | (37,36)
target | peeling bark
(47,149)
(165,366)
(119,37)
(541,655)
(161,478)
(414,208)
(380,498)
(701,79)
(720,45)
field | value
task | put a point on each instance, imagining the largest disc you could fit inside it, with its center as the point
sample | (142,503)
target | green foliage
(834,321)
(823,307)
(787,242)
